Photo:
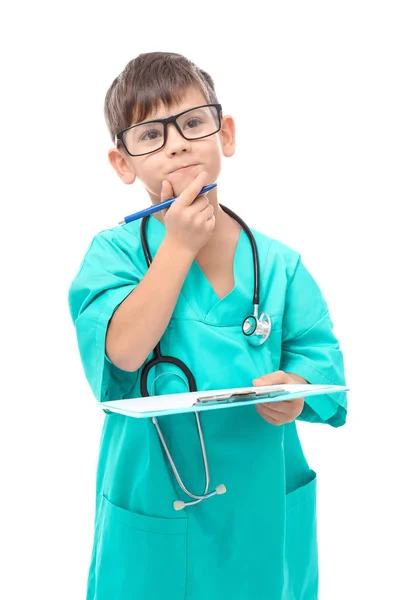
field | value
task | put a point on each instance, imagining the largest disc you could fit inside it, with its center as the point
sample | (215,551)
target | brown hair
(146,81)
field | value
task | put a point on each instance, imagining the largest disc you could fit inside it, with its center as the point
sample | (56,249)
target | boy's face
(204,154)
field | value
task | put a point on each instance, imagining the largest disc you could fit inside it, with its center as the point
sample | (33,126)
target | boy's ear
(120,165)
(227,136)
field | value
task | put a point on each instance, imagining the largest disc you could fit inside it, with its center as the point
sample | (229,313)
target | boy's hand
(280,413)
(190,221)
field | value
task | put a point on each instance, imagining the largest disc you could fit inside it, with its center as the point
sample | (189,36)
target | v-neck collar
(198,291)
(196,266)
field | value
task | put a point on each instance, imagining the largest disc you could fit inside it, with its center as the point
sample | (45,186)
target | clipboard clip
(239,396)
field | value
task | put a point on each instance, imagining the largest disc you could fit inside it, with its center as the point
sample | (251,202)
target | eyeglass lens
(195,123)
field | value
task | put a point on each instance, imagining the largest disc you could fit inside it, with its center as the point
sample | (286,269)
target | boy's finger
(165,194)
(166,191)
(275,378)
(268,414)
(188,196)
(279,407)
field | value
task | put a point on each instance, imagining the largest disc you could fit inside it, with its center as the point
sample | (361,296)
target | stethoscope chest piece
(257,329)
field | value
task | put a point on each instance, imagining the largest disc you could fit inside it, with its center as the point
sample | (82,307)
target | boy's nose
(174,141)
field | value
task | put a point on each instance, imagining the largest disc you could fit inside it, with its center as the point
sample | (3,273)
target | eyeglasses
(193,124)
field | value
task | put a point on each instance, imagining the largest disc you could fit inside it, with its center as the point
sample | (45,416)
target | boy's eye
(192,123)
(151,134)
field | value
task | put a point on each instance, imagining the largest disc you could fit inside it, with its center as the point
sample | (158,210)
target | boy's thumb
(166,190)
(277,377)
(269,379)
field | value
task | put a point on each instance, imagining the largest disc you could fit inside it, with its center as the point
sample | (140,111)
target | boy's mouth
(182,169)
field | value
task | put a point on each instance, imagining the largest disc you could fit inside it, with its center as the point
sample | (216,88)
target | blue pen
(161,206)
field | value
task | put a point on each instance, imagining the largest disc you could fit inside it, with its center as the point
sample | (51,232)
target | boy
(259,539)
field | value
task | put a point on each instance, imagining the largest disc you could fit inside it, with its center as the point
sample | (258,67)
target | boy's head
(159,85)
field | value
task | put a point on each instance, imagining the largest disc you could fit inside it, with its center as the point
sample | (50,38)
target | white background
(322,170)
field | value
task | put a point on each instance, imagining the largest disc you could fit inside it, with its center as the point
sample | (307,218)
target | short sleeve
(310,348)
(106,277)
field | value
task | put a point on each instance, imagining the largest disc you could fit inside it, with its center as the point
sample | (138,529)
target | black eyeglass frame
(165,122)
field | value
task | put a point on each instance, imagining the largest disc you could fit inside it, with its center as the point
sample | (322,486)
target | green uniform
(258,541)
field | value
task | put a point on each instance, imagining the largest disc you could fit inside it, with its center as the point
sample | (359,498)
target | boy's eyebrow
(150,118)
(158,118)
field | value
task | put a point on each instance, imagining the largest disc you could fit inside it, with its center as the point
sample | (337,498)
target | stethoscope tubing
(176,473)
(158,359)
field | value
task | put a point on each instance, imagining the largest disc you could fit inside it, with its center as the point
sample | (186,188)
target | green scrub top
(259,539)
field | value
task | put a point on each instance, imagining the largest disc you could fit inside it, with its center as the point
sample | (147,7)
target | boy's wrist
(178,251)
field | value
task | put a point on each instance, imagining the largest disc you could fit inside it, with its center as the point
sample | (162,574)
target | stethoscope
(256,329)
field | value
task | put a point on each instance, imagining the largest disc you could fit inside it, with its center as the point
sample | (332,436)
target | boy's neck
(225,227)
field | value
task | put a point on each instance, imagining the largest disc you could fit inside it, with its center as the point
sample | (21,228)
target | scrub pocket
(138,557)
(301,543)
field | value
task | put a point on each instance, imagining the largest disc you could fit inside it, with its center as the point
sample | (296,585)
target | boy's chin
(182,180)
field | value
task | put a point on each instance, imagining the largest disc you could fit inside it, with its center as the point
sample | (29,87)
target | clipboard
(172,404)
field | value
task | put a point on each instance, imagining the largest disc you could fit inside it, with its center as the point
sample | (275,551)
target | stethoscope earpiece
(179,504)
